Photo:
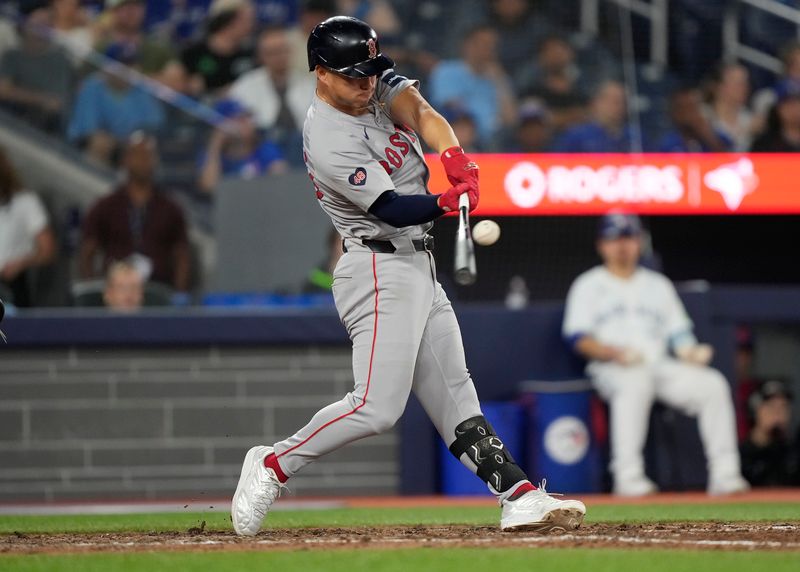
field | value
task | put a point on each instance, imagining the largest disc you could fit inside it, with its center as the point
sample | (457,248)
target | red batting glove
(460,168)
(448,201)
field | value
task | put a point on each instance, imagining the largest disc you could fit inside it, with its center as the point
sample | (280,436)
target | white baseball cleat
(538,511)
(257,489)
(730,485)
(635,487)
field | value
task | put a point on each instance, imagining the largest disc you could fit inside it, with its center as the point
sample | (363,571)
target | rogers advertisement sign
(646,183)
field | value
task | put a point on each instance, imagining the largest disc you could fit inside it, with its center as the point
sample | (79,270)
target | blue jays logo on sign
(359,177)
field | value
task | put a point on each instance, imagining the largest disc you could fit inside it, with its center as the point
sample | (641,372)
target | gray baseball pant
(405,338)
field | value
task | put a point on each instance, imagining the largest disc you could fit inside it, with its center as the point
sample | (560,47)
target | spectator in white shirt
(728,108)
(277,96)
(26,240)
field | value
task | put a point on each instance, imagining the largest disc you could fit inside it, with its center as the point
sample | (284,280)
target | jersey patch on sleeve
(359,177)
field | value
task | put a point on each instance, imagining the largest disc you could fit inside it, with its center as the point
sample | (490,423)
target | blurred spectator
(520,28)
(534,130)
(729,92)
(556,80)
(8,36)
(277,96)
(277,12)
(477,83)
(745,383)
(320,279)
(695,36)
(770,457)
(765,98)
(108,109)
(782,133)
(123,23)
(692,131)
(312,12)
(244,156)
(124,287)
(26,239)
(138,219)
(36,78)
(223,55)
(379,14)
(434,29)
(464,127)
(624,319)
(607,131)
(72,28)
(175,21)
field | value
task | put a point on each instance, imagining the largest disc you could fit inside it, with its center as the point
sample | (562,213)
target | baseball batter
(625,319)
(364,157)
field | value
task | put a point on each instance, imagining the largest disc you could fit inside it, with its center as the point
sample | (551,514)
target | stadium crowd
(510,75)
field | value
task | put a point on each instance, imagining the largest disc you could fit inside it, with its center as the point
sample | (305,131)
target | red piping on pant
(369,371)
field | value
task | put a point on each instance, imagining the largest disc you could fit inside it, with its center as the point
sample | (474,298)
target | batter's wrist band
(452,152)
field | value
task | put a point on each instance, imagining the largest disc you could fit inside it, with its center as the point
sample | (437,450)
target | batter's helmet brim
(370,67)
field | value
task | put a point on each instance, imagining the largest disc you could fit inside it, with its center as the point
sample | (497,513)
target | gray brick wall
(99,423)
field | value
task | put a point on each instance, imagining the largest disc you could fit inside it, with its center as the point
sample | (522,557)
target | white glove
(700,354)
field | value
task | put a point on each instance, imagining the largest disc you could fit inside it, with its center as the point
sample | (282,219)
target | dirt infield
(703,536)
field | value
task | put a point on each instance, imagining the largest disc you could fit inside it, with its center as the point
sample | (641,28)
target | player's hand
(625,356)
(448,201)
(460,168)
(699,354)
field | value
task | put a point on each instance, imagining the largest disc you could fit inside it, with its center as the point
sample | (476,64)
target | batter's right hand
(448,201)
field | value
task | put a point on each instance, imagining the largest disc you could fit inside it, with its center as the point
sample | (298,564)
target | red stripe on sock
(369,371)
(271,462)
(521,490)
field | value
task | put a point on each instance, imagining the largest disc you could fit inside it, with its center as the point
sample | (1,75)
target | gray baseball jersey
(403,329)
(353,160)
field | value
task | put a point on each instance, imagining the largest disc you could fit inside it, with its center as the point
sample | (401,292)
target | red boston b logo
(373,49)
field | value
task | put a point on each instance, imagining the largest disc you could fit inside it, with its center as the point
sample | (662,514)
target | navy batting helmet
(347,46)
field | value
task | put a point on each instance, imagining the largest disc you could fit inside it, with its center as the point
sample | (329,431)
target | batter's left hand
(460,168)
(448,201)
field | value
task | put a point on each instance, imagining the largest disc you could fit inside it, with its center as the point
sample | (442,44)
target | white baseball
(486,232)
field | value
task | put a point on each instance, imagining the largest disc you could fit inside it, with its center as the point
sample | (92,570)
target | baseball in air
(486,232)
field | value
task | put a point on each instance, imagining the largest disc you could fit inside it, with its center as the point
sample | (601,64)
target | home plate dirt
(703,536)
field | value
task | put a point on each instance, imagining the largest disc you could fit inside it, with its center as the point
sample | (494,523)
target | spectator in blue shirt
(477,83)
(692,131)
(244,156)
(108,109)
(606,131)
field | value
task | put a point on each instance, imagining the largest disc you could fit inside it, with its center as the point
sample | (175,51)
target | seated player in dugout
(364,156)
(631,326)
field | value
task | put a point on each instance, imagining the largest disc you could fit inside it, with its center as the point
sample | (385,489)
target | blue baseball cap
(230,108)
(453,112)
(787,89)
(617,225)
(123,52)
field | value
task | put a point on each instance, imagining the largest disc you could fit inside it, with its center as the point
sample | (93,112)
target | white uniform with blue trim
(643,313)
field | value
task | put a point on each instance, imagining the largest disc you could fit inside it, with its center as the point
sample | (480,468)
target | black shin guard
(496,466)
